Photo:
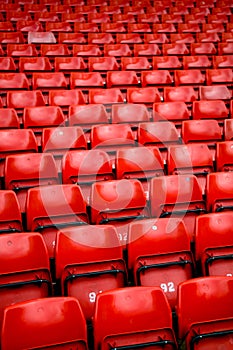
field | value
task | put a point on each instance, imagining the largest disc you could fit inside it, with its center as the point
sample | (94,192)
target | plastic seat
(178,49)
(158,134)
(218,18)
(98,18)
(102,64)
(66,98)
(24,273)
(224,156)
(134,10)
(100,38)
(22,99)
(219,191)
(113,27)
(105,96)
(124,18)
(10,216)
(23,171)
(189,77)
(164,28)
(223,61)
(180,93)
(122,79)
(85,80)
(85,168)
(146,50)
(41,38)
(71,38)
(175,112)
(139,163)
(64,8)
(28,26)
(182,38)
(54,50)
(155,38)
(37,118)
(12,38)
(8,119)
(7,64)
(118,202)
(68,64)
(147,95)
(204,312)
(14,142)
(166,62)
(191,159)
(159,255)
(207,131)
(86,27)
(117,50)
(56,27)
(139,28)
(71,17)
(15,16)
(58,141)
(148,18)
(33,64)
(156,77)
(192,27)
(214,109)
(96,255)
(200,62)
(177,197)
(57,315)
(57,207)
(214,92)
(20,50)
(110,10)
(33,8)
(207,38)
(10,81)
(86,50)
(203,49)
(124,303)
(46,16)
(214,244)
(131,114)
(128,38)
(6,26)
(213,28)
(48,81)
(171,18)
(228,129)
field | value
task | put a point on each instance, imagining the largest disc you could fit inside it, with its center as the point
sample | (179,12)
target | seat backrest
(130,113)
(107,96)
(201,130)
(45,116)
(87,115)
(10,216)
(219,189)
(157,134)
(214,109)
(224,156)
(124,305)
(21,99)
(213,230)
(60,321)
(202,300)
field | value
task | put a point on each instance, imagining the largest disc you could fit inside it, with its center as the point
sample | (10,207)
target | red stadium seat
(200,62)
(37,118)
(215,92)
(86,50)
(189,77)
(178,49)
(180,93)
(214,109)
(122,79)
(66,98)
(191,159)
(100,38)
(159,255)
(164,28)
(219,76)
(214,244)
(23,171)
(12,38)
(58,27)
(128,38)
(146,50)
(33,64)
(228,129)
(178,197)
(123,18)
(85,27)
(20,50)
(156,77)
(224,156)
(166,62)
(54,324)
(58,141)
(117,50)
(13,81)
(41,38)
(155,38)
(7,64)
(102,64)
(208,37)
(85,168)
(22,99)
(68,64)
(14,142)
(10,215)
(8,119)
(148,18)
(113,27)
(204,131)
(147,95)
(57,207)
(118,202)
(219,191)
(182,38)
(105,96)
(135,63)
(71,38)
(130,113)
(189,27)
(213,28)
(24,273)
(86,80)
(54,50)
(203,49)
(204,312)
(95,253)
(140,163)
(46,16)
(158,134)
(48,81)
(121,305)
(175,112)
(223,61)
(6,26)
